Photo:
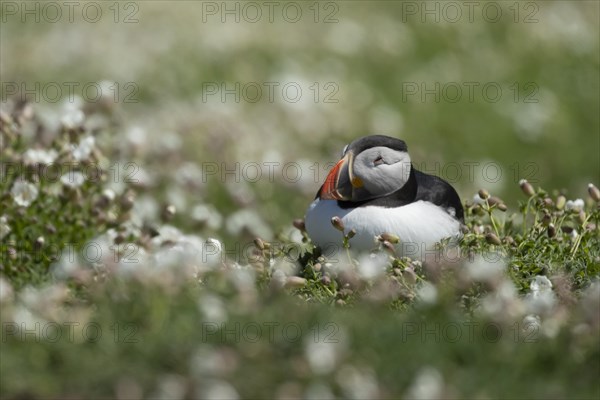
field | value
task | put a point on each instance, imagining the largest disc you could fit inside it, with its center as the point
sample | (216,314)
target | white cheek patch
(383,179)
(379,184)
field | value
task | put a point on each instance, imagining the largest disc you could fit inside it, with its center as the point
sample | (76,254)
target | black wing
(439,192)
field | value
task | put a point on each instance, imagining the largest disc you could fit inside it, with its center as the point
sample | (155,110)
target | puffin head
(371,167)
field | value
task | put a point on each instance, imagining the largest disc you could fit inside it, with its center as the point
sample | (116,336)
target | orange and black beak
(340,182)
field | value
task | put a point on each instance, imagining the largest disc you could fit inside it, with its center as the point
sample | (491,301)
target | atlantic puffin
(375,189)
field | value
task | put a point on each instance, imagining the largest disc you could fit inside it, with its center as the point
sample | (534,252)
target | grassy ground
(143,256)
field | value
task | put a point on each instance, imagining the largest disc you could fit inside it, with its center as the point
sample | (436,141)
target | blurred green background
(427,72)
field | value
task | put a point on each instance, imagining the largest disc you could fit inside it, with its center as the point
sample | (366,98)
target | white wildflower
(73,118)
(73,179)
(248,220)
(109,194)
(83,150)
(550,328)
(278,278)
(67,265)
(136,138)
(531,321)
(487,268)
(131,258)
(43,298)
(208,215)
(4,227)
(575,205)
(169,257)
(427,293)
(429,384)
(169,142)
(145,208)
(372,265)
(139,176)
(540,284)
(211,252)
(325,348)
(6,291)
(187,254)
(286,265)
(502,301)
(166,234)
(218,389)
(27,322)
(100,253)
(243,278)
(39,156)
(177,197)
(73,103)
(321,356)
(358,383)
(189,174)
(541,299)
(212,309)
(24,193)
(107,91)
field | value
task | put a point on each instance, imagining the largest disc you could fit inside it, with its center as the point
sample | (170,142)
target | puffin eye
(378,161)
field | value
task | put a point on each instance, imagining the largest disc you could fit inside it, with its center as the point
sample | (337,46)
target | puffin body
(374,189)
